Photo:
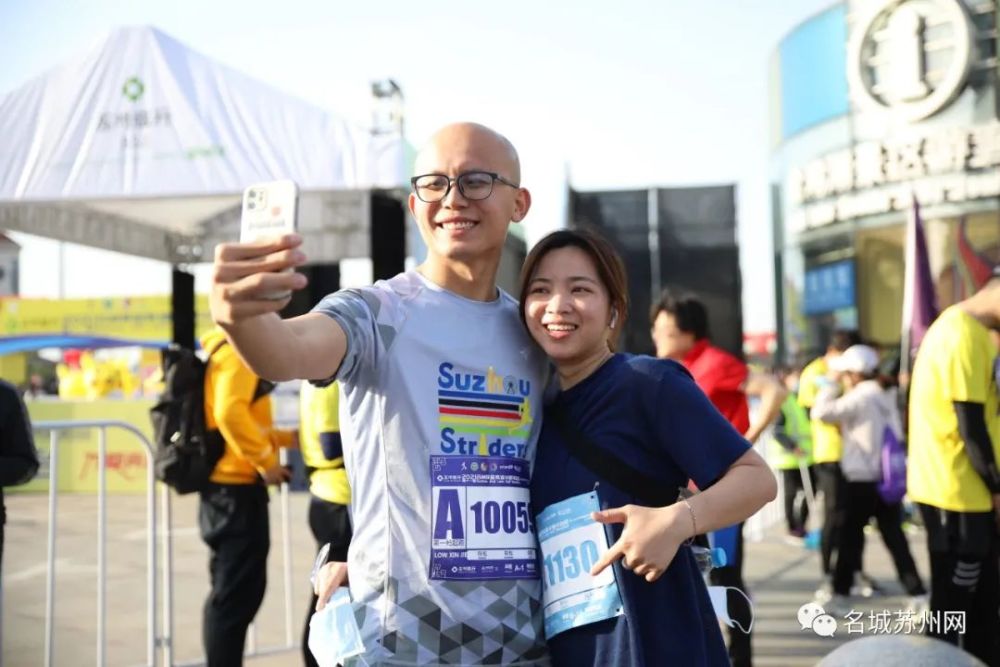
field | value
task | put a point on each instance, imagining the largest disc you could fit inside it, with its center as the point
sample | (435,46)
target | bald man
(441,388)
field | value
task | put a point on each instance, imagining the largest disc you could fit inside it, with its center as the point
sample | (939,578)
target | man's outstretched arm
(309,347)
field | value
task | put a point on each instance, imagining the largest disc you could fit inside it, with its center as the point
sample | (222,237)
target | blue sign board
(829,287)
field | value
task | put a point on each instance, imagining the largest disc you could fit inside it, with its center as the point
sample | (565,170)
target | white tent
(143,146)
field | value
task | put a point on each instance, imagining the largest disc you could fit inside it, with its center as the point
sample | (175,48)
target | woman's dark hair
(607,261)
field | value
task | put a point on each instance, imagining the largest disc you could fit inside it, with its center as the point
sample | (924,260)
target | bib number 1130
(570,562)
(572,543)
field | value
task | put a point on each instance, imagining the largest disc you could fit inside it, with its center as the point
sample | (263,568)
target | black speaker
(323,279)
(388,236)
(622,217)
(182,307)
(713,275)
(697,253)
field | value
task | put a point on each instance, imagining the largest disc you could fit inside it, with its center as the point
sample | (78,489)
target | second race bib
(571,542)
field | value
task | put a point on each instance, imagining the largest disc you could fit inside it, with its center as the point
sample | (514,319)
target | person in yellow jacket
(827,447)
(323,455)
(791,447)
(232,513)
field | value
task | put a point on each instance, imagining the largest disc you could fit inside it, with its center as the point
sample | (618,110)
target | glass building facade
(879,111)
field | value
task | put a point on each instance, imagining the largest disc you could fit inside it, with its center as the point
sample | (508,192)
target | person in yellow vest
(232,513)
(827,449)
(791,446)
(323,455)
(952,469)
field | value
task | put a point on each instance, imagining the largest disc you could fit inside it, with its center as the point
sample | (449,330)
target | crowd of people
(497,484)
(836,430)
(617,433)
(573,545)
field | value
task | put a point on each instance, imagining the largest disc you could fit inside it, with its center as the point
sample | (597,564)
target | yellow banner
(78,459)
(144,318)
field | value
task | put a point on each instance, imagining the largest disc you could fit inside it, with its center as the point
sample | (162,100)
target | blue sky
(620,95)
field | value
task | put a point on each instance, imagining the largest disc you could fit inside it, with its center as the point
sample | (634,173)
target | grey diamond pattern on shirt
(388,334)
(371,298)
(500,609)
(424,633)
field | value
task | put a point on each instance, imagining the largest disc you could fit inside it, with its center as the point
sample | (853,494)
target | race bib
(481,527)
(571,542)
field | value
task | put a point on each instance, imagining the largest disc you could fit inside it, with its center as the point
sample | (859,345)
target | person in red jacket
(680,332)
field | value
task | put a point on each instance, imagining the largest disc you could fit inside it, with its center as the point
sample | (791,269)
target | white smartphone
(269,210)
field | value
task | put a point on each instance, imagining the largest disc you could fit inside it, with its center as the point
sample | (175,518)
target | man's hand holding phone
(246,275)
(254,279)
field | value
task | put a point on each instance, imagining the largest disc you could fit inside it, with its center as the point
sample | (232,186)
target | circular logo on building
(133,89)
(909,57)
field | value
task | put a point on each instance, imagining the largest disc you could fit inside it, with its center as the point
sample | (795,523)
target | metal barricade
(161,642)
(758,525)
(55,428)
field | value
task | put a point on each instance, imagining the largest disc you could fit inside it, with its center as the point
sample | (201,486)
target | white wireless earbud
(614,318)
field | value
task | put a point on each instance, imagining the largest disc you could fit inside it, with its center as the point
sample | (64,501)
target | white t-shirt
(440,414)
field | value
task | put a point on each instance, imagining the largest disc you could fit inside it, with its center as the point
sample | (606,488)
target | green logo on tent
(133,89)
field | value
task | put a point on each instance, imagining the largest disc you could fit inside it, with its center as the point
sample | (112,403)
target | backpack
(185,450)
(892,488)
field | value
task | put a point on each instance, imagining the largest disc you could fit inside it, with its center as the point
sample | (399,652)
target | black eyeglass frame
(494,177)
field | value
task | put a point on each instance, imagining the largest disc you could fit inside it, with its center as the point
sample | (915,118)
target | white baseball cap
(856,358)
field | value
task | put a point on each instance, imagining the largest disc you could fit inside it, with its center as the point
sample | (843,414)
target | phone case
(269,209)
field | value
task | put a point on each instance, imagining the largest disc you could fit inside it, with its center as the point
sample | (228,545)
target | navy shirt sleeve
(692,431)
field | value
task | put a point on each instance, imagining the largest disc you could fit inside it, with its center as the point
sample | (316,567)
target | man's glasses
(474,185)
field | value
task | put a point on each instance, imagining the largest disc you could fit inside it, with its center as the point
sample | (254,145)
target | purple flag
(919,299)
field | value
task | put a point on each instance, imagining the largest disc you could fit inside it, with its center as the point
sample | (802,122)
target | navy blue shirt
(650,414)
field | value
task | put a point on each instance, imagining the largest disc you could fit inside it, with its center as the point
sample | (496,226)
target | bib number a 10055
(481,524)
(571,543)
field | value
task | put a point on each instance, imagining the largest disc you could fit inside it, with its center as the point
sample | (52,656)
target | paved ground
(781,577)
(76,589)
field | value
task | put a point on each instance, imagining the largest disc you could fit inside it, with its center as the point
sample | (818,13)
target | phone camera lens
(251,204)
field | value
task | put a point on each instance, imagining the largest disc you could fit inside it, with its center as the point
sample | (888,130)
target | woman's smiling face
(568,309)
